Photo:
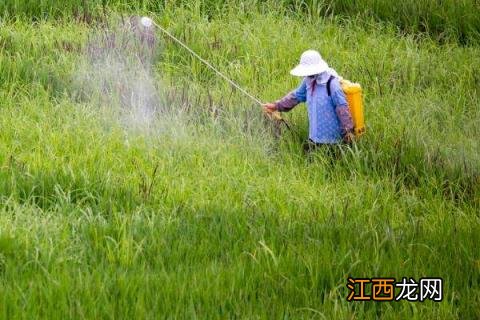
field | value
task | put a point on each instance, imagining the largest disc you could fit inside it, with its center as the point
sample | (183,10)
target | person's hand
(269,107)
(348,137)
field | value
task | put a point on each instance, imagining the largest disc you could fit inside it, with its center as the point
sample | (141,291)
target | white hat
(311,63)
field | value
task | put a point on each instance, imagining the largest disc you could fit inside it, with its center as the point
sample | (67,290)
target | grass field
(203,212)
(443,20)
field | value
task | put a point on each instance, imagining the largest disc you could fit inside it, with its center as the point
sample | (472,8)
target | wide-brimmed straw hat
(311,63)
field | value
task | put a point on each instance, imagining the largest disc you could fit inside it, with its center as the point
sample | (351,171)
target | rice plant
(214,214)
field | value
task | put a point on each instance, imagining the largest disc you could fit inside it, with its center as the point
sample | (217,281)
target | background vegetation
(444,20)
(214,217)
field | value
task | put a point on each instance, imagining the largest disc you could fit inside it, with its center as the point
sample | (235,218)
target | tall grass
(446,21)
(227,220)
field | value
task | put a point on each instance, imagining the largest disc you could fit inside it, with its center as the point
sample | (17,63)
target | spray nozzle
(146,22)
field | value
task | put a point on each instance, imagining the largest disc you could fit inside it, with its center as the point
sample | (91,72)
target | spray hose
(276,116)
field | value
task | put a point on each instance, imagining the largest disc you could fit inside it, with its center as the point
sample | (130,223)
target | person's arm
(341,108)
(288,102)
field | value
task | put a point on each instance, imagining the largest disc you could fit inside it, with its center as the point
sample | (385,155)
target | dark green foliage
(212,216)
(445,20)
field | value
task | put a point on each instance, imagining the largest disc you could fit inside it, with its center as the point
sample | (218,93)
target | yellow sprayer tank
(353,92)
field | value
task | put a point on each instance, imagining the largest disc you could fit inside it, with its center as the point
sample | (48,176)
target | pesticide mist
(117,74)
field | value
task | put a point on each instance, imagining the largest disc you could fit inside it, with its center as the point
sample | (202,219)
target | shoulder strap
(329,90)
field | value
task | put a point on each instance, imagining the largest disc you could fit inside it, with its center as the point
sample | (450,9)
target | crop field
(134,183)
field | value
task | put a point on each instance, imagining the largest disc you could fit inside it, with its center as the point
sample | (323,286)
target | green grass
(444,20)
(216,218)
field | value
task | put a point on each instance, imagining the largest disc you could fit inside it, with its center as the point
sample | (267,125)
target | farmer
(329,117)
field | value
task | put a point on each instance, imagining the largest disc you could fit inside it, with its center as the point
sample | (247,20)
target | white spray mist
(118,72)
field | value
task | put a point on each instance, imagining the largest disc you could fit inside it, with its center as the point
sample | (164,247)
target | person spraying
(330,121)
(328,110)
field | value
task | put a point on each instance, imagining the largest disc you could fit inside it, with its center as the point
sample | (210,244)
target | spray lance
(147,23)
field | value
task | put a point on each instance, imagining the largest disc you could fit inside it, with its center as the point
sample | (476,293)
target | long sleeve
(287,103)
(345,118)
(292,99)
(341,107)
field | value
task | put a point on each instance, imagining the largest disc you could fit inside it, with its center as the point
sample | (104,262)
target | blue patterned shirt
(329,116)
(324,124)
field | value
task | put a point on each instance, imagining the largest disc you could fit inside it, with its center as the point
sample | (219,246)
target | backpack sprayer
(147,23)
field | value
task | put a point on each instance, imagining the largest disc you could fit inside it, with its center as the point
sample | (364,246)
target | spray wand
(147,23)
